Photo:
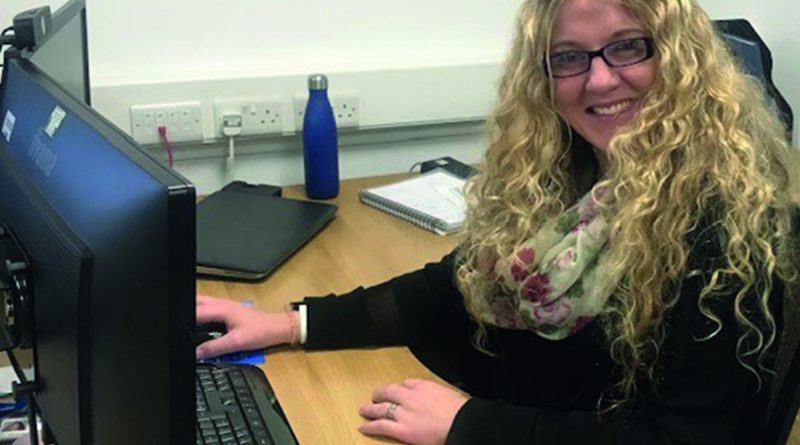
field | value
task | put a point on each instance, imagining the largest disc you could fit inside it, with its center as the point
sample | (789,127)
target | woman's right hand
(248,328)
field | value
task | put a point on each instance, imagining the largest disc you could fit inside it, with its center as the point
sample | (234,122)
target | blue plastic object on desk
(12,407)
(320,146)
(239,358)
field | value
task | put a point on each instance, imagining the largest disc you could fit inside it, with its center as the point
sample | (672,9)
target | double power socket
(185,121)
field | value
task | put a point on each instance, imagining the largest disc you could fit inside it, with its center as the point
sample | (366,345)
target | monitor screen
(63,55)
(110,236)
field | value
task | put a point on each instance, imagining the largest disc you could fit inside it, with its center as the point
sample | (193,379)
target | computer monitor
(64,53)
(110,237)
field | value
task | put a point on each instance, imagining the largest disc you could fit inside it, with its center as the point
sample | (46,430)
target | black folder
(247,232)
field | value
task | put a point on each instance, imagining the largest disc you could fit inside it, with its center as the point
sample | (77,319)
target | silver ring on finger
(389,414)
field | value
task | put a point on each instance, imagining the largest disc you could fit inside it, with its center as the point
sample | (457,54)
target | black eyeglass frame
(649,53)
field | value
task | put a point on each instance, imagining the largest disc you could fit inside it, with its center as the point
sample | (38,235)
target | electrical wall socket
(259,116)
(346,109)
(183,121)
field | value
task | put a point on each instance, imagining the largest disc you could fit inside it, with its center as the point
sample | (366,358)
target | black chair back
(756,59)
(784,399)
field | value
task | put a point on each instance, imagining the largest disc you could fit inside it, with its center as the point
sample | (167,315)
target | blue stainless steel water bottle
(320,151)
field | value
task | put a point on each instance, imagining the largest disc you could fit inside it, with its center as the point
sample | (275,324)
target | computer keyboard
(236,406)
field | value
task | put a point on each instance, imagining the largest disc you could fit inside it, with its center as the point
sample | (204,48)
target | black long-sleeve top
(537,391)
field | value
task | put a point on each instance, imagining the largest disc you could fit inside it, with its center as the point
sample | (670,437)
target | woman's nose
(601,77)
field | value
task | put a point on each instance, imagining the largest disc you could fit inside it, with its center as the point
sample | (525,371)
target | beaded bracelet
(294,326)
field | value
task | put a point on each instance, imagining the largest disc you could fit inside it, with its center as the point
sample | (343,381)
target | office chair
(785,393)
(756,59)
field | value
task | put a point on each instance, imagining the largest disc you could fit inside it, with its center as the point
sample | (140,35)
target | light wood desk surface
(320,392)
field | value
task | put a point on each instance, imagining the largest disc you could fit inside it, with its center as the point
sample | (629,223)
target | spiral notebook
(433,200)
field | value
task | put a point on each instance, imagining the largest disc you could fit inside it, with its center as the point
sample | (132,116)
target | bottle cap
(317,82)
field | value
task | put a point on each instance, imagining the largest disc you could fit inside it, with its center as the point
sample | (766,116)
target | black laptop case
(245,232)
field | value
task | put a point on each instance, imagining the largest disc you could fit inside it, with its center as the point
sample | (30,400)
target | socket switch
(183,121)
(259,116)
(346,109)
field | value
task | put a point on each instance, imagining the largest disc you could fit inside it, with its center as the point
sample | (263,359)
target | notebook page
(437,194)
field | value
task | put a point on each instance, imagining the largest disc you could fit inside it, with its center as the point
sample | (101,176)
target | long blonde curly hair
(706,142)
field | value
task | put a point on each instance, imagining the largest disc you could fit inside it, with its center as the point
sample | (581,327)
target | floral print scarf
(550,284)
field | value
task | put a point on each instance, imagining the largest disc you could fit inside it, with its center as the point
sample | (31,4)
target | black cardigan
(537,391)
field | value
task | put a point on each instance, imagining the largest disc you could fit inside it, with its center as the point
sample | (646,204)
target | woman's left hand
(418,412)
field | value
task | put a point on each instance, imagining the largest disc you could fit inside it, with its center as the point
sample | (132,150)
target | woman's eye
(566,58)
(628,45)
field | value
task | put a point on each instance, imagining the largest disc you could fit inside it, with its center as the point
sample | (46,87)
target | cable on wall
(162,134)
(231,127)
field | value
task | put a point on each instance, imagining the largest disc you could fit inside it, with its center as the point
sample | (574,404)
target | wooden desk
(320,392)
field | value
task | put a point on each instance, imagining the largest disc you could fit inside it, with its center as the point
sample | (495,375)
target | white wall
(166,40)
(415,62)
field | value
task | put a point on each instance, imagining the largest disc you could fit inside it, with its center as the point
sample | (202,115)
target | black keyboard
(236,406)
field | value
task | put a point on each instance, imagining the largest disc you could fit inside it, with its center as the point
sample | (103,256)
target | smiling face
(599,101)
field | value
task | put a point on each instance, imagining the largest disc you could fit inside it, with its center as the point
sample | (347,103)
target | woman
(622,271)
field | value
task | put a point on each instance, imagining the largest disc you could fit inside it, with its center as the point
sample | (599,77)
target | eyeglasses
(615,54)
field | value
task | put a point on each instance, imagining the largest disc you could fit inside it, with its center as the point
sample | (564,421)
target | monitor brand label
(8,125)
(42,155)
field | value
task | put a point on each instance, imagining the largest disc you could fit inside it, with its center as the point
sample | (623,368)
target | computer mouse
(209,331)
